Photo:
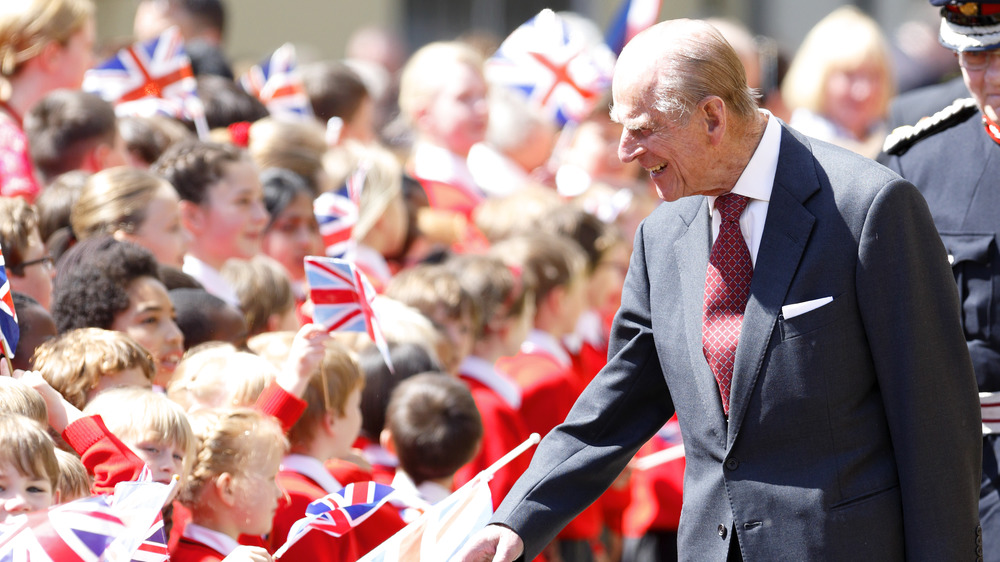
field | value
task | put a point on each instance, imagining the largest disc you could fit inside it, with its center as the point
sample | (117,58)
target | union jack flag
(556,63)
(442,530)
(342,299)
(632,17)
(9,332)
(277,85)
(337,212)
(339,512)
(148,78)
(140,504)
(79,531)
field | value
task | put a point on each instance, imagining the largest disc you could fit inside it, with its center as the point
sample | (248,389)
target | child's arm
(108,459)
(282,398)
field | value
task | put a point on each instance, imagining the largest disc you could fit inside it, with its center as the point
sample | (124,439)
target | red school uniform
(203,545)
(549,388)
(105,456)
(657,492)
(498,399)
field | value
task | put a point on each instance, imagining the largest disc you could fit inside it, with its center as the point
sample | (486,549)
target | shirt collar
(311,468)
(219,542)
(543,342)
(211,279)
(757,178)
(481,370)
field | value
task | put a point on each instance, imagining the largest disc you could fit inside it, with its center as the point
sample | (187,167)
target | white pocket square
(793,310)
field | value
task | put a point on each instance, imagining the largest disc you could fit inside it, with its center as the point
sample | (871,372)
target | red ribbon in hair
(239,132)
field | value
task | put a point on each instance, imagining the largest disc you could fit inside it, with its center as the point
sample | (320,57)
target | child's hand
(304,358)
(248,554)
(61,412)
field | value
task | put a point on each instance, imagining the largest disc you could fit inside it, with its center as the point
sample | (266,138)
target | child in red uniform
(29,471)
(231,489)
(543,368)
(327,429)
(434,428)
(506,309)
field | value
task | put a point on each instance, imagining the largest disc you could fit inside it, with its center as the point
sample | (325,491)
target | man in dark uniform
(954,159)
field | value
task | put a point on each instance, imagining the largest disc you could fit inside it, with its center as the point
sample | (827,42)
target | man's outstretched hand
(495,543)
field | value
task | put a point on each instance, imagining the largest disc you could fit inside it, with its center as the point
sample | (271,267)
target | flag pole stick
(511,455)
(659,457)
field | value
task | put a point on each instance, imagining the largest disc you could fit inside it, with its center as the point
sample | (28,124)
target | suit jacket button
(732,463)
(722,531)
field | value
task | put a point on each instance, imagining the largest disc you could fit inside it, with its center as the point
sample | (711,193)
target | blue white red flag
(556,63)
(149,78)
(442,530)
(139,504)
(9,331)
(337,213)
(339,512)
(342,299)
(632,17)
(277,85)
(79,531)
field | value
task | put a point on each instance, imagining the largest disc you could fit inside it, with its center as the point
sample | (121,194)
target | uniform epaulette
(902,138)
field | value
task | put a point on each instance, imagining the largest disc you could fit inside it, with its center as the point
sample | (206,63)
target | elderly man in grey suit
(793,303)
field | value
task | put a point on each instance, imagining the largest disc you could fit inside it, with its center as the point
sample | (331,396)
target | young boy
(222,207)
(73,130)
(506,310)
(29,470)
(543,368)
(203,317)
(81,363)
(434,428)
(327,429)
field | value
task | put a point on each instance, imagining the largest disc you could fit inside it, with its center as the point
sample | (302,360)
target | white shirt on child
(483,371)
(219,542)
(543,342)
(311,468)
(211,279)
(415,499)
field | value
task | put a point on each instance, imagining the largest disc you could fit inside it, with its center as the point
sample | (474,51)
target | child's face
(22,494)
(258,496)
(460,334)
(605,291)
(293,235)
(574,302)
(164,459)
(348,426)
(149,320)
(161,233)
(232,218)
(459,113)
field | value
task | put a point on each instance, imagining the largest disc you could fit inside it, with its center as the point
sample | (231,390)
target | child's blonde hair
(420,81)
(137,414)
(383,182)
(518,213)
(25,445)
(329,387)
(219,376)
(19,398)
(74,482)
(115,199)
(263,288)
(74,362)
(230,441)
(546,261)
(273,346)
(298,146)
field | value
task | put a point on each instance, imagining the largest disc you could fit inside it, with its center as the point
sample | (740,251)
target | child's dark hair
(193,166)
(408,359)
(435,425)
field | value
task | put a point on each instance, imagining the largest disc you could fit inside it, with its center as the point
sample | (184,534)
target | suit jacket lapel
(786,231)
(692,250)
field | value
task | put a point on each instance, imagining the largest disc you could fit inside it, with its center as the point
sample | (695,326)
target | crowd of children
(164,309)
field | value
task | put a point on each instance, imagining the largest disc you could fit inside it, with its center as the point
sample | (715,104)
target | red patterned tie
(727,288)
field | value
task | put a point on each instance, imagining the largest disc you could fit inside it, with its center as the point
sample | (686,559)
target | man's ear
(193,217)
(713,110)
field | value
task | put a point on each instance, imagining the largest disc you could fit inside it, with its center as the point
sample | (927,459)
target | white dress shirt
(219,542)
(211,279)
(311,468)
(483,371)
(755,182)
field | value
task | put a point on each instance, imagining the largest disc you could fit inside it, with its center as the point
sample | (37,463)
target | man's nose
(629,147)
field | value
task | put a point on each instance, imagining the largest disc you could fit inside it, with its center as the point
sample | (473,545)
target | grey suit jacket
(854,429)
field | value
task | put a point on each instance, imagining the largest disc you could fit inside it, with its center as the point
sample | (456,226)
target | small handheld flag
(9,332)
(277,85)
(339,512)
